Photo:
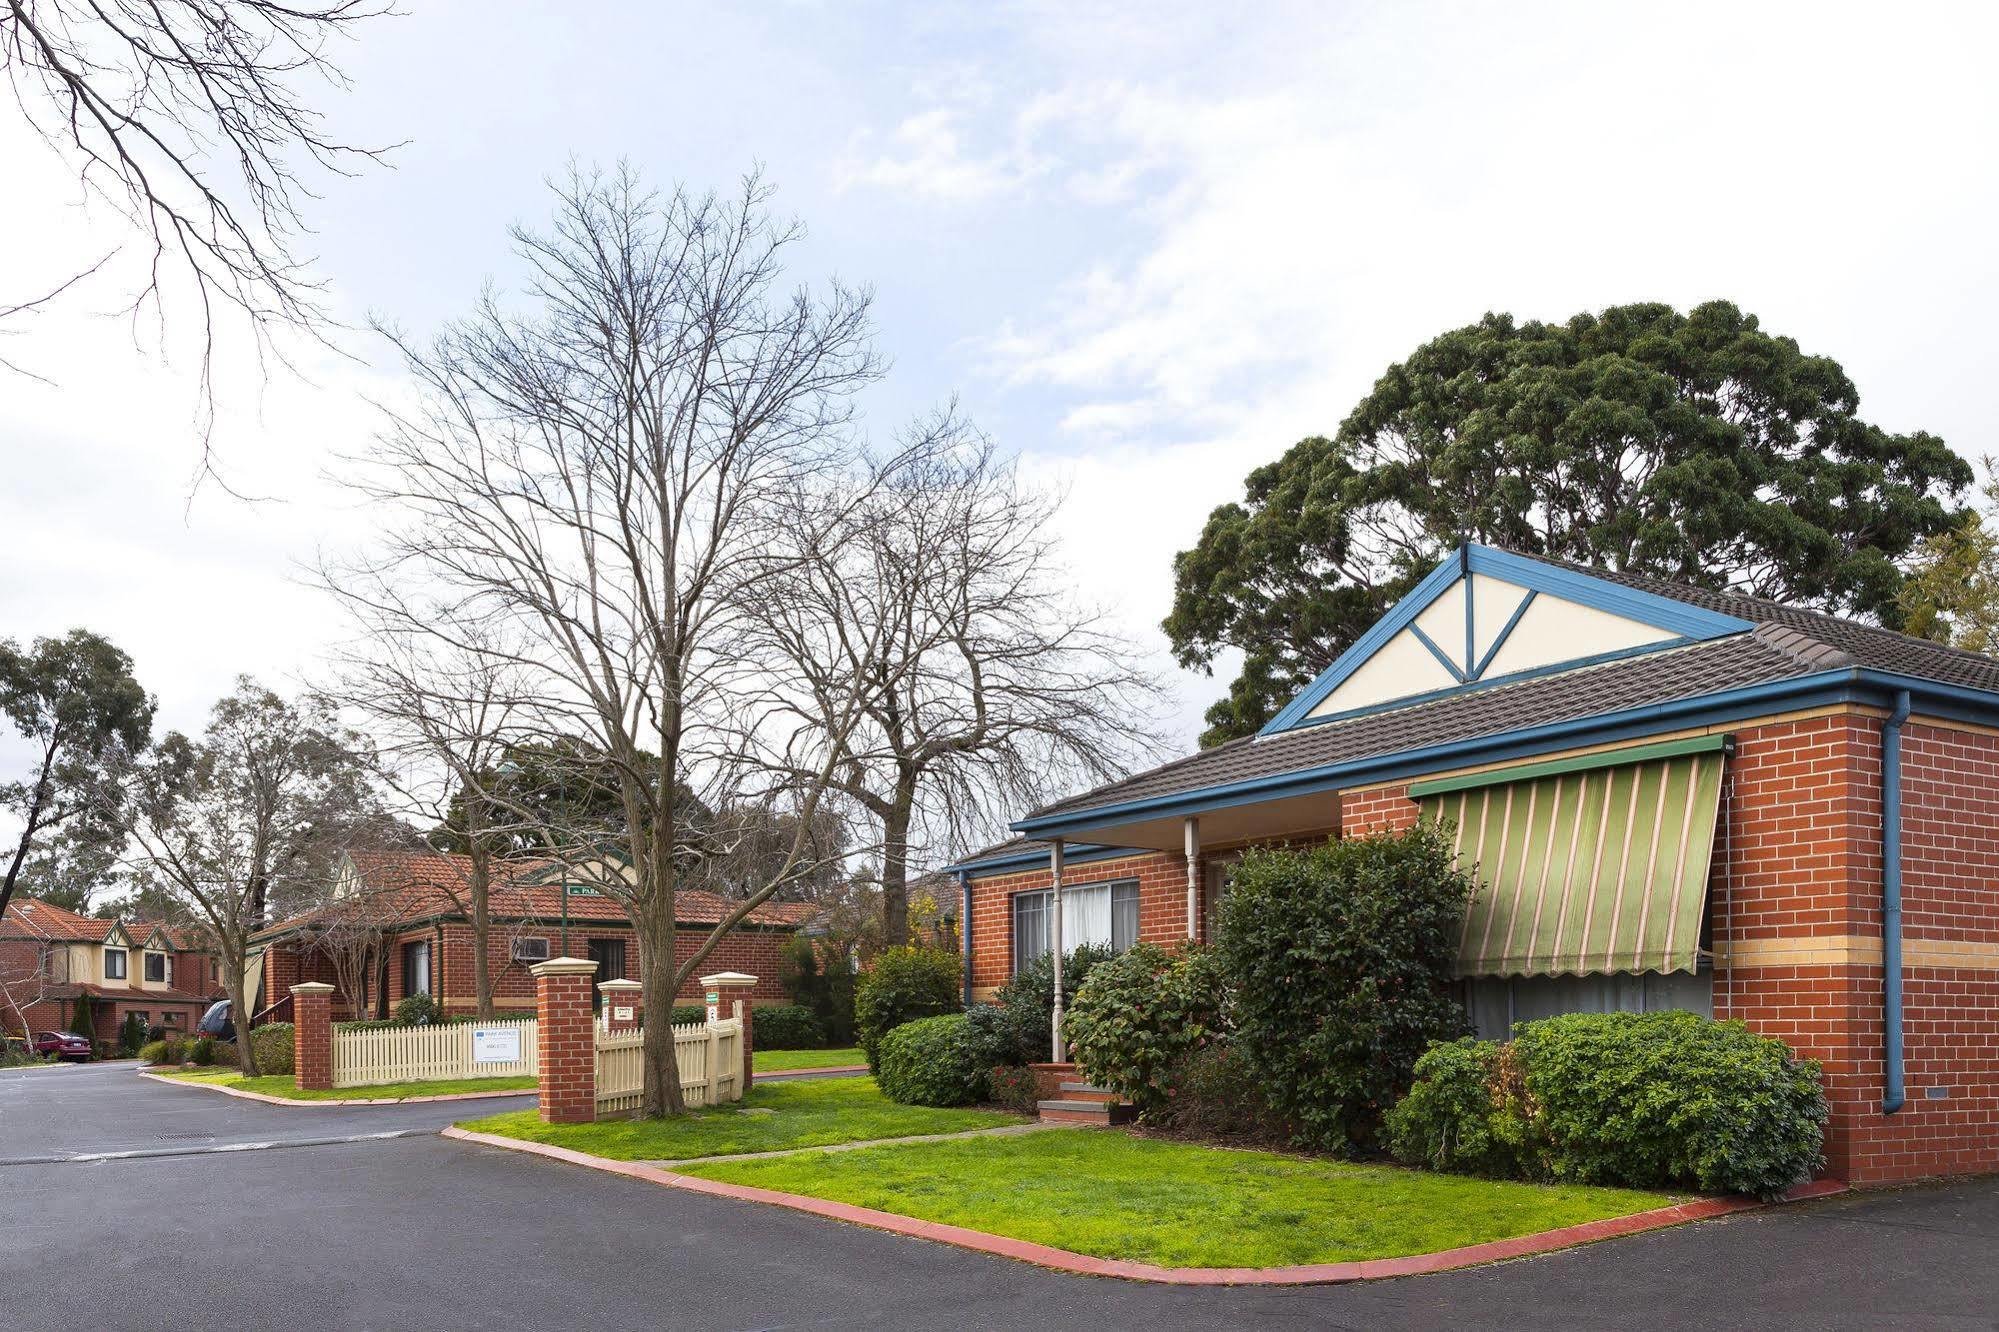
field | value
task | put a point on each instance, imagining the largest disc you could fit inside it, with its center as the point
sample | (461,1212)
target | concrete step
(1083,1091)
(1086,1112)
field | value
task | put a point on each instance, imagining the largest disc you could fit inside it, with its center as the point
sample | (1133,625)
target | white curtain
(1086,916)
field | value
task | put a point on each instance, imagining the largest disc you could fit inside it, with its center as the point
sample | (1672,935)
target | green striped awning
(1585,866)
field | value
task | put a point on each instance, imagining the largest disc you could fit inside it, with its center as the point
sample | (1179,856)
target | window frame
(146,961)
(124,971)
(412,949)
(1125,888)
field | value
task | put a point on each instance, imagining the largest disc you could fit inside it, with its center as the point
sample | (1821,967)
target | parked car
(62,1045)
(215,1022)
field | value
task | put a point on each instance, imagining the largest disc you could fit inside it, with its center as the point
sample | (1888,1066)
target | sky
(1146,247)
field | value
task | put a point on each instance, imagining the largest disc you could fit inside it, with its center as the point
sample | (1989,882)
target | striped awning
(1585,866)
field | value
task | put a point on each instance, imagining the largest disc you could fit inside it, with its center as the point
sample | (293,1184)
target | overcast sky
(1148,248)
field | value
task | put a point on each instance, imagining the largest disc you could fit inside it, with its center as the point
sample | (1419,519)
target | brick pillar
(732,989)
(624,1004)
(565,1040)
(312,1036)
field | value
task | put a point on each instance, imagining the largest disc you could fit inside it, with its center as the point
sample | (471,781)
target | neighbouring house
(50,956)
(538,911)
(1670,797)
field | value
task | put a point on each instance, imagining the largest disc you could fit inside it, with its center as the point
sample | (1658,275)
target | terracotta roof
(418,885)
(1785,642)
(125,994)
(32,918)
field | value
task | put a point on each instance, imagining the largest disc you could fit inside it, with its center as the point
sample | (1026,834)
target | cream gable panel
(1554,631)
(1402,667)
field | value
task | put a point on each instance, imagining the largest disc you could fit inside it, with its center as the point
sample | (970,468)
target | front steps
(1080,1103)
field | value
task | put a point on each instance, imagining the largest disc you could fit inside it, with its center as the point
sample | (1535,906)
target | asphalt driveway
(313,1231)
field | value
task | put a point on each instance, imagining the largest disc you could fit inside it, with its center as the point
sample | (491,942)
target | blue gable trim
(1688,623)
(1076,853)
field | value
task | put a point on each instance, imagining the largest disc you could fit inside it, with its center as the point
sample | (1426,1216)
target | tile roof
(32,918)
(419,885)
(1786,642)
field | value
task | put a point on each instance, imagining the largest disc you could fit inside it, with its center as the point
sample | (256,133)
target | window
(145,1019)
(114,964)
(156,967)
(171,1018)
(416,967)
(609,955)
(1105,914)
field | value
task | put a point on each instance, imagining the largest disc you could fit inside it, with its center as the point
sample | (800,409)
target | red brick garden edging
(1062,1260)
(343,1100)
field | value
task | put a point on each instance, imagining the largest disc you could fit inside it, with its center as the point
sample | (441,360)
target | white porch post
(1192,827)
(1055,939)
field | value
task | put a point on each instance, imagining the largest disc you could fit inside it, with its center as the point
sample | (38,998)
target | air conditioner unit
(530,950)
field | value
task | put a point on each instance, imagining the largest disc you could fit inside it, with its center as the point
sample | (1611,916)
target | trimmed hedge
(1342,958)
(274,1049)
(933,1061)
(1138,1014)
(904,984)
(788,1027)
(1644,1100)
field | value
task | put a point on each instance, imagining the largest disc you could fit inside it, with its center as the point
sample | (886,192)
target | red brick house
(537,913)
(1670,798)
(50,956)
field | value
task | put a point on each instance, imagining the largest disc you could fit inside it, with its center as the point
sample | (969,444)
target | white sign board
(496,1045)
(619,1014)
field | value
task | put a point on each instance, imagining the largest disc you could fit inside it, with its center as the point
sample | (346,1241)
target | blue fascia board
(1815,690)
(1079,853)
(1400,615)
(1686,622)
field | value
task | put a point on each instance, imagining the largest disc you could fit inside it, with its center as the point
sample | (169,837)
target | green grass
(783,1061)
(1178,1204)
(772,1117)
(283,1085)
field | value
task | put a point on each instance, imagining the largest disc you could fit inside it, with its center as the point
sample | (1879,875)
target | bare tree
(150,101)
(609,480)
(258,807)
(444,713)
(353,932)
(981,682)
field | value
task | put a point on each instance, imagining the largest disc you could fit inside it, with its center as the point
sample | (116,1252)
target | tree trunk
(895,867)
(234,981)
(657,970)
(482,914)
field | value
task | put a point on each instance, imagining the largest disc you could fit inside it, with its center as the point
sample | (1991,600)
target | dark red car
(62,1044)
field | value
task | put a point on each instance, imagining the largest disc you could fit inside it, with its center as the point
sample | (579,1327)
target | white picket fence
(710,1056)
(374,1056)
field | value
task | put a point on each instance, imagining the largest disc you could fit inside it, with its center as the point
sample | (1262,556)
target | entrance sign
(496,1045)
(621,1013)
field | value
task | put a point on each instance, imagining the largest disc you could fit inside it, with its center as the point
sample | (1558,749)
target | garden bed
(772,1117)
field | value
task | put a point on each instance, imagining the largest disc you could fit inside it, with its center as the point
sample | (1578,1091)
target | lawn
(284,1085)
(1178,1204)
(772,1117)
(784,1061)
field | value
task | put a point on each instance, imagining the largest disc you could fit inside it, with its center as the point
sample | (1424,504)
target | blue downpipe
(1892,1094)
(965,930)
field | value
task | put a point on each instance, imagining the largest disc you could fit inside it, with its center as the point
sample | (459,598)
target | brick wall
(1162,905)
(1383,809)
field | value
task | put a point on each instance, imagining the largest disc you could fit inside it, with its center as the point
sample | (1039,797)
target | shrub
(1458,1116)
(686,1013)
(1342,959)
(1027,1000)
(932,1061)
(131,1034)
(1653,1099)
(1139,1013)
(904,984)
(202,1052)
(158,1052)
(1213,1093)
(416,1009)
(1013,1087)
(992,1035)
(272,1043)
(226,1055)
(83,1019)
(788,1027)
